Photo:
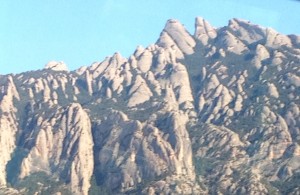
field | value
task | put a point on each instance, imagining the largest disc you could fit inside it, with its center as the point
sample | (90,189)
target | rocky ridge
(216,112)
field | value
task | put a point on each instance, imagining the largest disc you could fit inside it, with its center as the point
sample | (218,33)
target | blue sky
(33,32)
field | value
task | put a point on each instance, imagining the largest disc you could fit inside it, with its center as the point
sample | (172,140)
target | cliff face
(212,112)
(62,146)
(8,124)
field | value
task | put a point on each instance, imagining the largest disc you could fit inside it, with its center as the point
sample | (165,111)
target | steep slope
(8,124)
(216,112)
(62,146)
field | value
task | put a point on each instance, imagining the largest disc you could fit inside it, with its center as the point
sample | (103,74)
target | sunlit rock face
(213,112)
(56,66)
(8,124)
(66,149)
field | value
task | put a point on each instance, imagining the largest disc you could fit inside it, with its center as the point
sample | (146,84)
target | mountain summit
(214,112)
(56,66)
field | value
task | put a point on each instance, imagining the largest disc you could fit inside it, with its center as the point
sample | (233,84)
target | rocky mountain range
(213,112)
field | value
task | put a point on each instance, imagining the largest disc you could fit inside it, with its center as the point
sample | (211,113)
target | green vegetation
(42,183)
(203,166)
(271,189)
(290,185)
(96,189)
(13,166)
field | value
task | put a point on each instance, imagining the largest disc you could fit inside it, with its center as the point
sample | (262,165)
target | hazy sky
(78,32)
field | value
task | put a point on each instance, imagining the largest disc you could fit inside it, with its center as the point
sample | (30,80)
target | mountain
(214,112)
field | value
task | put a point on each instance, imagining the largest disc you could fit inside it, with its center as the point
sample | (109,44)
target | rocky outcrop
(141,151)
(176,36)
(56,66)
(8,124)
(204,31)
(62,147)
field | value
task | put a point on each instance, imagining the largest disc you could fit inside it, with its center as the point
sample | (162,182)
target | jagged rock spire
(175,35)
(204,31)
